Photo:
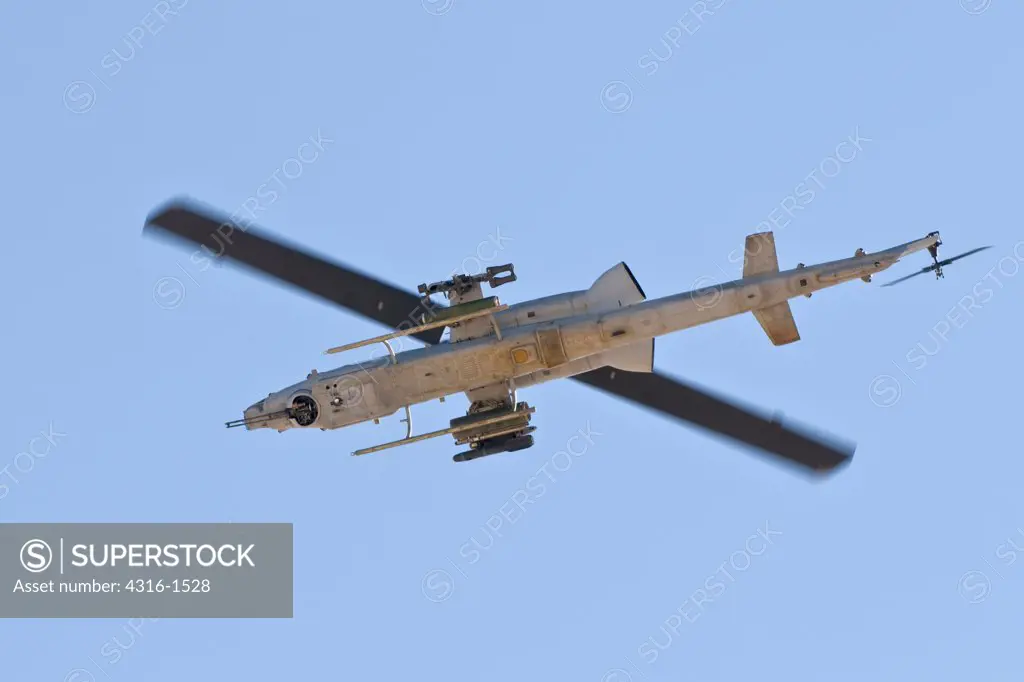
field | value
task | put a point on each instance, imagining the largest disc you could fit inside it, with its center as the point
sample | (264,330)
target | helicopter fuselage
(543,340)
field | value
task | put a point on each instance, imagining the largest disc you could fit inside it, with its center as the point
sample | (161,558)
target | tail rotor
(937,265)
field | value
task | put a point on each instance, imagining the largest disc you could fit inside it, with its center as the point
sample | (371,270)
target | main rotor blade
(674,399)
(330,281)
(964,255)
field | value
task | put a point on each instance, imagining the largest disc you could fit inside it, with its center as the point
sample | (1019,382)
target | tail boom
(759,292)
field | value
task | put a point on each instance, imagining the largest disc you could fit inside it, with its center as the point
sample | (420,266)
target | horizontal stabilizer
(761,258)
(778,323)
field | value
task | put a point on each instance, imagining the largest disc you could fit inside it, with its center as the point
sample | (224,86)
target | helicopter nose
(253,413)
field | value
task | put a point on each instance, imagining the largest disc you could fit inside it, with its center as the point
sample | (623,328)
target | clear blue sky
(447,126)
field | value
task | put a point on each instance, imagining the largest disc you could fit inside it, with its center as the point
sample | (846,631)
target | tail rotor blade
(937,265)
(922,271)
(965,254)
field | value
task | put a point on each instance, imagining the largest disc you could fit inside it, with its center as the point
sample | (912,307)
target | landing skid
(472,430)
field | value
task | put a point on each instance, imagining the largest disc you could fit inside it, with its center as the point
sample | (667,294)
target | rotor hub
(459,285)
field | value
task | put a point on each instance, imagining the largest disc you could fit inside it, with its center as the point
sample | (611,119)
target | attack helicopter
(602,336)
